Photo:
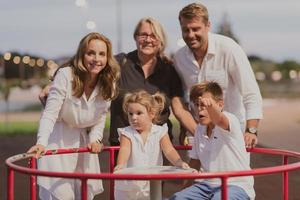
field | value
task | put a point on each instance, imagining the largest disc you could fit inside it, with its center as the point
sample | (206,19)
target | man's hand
(44,94)
(250,140)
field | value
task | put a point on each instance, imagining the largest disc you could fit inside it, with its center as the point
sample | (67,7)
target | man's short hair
(193,10)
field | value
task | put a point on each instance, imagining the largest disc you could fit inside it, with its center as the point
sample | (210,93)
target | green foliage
(286,66)
(15,128)
(22,128)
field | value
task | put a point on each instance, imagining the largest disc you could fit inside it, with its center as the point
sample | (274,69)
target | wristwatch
(252,130)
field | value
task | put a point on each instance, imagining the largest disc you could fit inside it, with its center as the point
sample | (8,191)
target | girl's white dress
(70,122)
(141,155)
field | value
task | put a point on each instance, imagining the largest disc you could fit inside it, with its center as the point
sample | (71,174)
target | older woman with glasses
(148,68)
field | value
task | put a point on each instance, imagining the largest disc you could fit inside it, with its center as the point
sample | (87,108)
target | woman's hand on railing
(95,147)
(37,150)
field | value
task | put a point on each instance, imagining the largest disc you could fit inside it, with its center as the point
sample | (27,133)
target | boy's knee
(177,196)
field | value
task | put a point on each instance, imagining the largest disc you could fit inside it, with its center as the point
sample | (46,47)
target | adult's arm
(183,115)
(56,97)
(243,77)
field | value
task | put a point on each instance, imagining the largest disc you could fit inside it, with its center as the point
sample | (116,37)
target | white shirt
(223,151)
(142,155)
(227,64)
(70,122)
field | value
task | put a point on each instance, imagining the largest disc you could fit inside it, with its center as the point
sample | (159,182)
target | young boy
(218,146)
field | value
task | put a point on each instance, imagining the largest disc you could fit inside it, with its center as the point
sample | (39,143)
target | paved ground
(279,129)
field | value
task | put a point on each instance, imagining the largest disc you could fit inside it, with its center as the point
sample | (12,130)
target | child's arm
(170,152)
(215,113)
(195,164)
(124,153)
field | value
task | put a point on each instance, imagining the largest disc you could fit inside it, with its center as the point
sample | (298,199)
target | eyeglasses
(144,36)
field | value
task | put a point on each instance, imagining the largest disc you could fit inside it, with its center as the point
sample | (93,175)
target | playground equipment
(31,171)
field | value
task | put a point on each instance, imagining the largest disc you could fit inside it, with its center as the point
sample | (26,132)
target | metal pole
(84,189)
(10,184)
(224,188)
(111,170)
(32,165)
(285,180)
(119,24)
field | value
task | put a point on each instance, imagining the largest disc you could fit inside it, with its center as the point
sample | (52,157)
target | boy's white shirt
(223,151)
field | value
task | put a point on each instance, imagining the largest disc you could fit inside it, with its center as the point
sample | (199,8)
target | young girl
(142,143)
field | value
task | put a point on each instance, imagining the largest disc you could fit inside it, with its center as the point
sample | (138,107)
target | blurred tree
(225,28)
(286,66)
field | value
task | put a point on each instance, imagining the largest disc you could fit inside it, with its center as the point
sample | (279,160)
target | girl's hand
(184,165)
(38,150)
(180,163)
(118,167)
(95,147)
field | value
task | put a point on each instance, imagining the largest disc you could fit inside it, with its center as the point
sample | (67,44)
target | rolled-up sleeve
(244,78)
(55,99)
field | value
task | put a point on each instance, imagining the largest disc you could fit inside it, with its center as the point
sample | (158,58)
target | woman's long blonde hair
(109,75)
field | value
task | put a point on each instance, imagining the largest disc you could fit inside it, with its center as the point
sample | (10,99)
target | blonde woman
(74,116)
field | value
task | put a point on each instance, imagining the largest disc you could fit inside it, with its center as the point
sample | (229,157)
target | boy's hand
(206,102)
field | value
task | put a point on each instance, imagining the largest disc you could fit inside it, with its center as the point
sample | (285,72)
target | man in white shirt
(213,57)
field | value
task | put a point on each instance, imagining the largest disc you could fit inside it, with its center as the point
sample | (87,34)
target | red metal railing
(224,176)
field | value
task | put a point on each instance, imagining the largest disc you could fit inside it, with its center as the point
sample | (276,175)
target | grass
(23,128)
(26,128)
(18,128)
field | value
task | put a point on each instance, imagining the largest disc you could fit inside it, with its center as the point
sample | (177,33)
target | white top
(70,122)
(223,151)
(142,155)
(227,64)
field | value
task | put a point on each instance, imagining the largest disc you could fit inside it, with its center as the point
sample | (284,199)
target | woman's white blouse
(70,122)
(76,113)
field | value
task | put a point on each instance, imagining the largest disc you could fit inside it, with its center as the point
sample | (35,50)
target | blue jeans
(203,191)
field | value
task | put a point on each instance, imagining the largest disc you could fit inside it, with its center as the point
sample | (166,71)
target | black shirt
(164,79)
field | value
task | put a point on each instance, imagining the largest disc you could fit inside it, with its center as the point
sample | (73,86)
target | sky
(53,28)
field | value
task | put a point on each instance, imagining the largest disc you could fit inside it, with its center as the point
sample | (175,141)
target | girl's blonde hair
(108,76)
(153,103)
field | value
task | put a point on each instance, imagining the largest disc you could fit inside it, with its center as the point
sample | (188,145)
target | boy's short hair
(208,86)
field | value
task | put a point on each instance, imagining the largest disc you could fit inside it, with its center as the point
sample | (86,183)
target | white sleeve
(125,132)
(244,78)
(96,132)
(164,131)
(56,97)
(234,126)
